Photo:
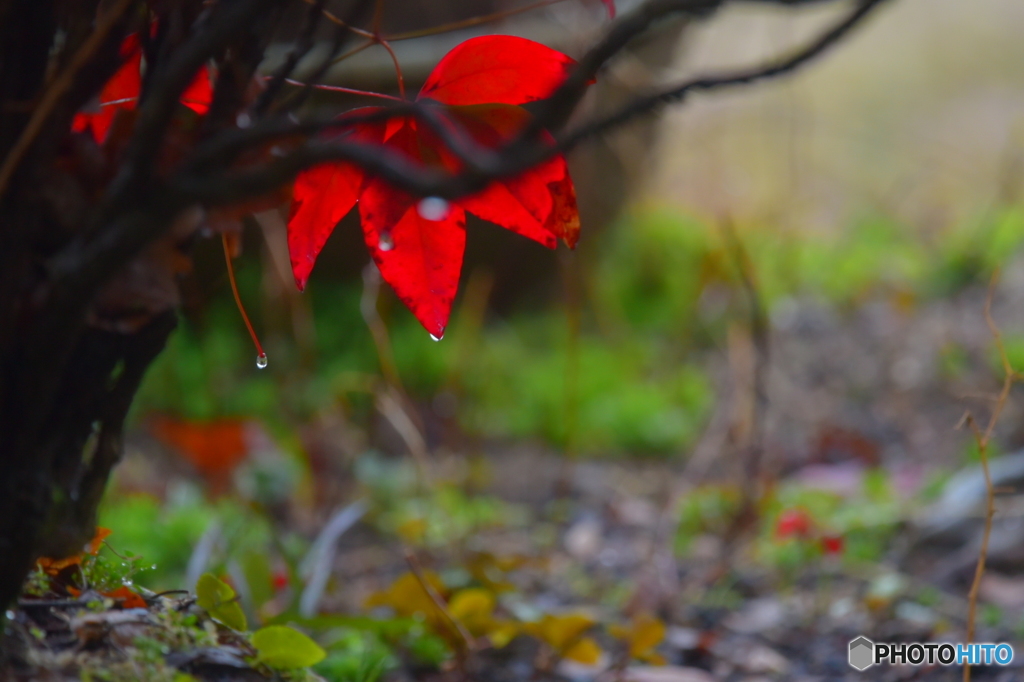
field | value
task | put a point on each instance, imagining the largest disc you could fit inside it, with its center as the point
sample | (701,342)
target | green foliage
(282,647)
(221,602)
(438,516)
(165,534)
(354,655)
(707,509)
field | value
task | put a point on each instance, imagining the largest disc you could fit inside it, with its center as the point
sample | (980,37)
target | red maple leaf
(123,88)
(418,244)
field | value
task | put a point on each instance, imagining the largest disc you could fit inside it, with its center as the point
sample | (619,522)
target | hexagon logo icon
(862,653)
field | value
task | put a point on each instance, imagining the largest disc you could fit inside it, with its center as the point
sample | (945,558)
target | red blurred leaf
(199,94)
(214,448)
(120,92)
(610,4)
(491,69)
(123,88)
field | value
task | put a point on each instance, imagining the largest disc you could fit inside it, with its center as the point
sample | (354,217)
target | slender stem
(378,16)
(351,53)
(439,602)
(472,21)
(238,299)
(982,439)
(443,28)
(398,67)
(334,19)
(338,88)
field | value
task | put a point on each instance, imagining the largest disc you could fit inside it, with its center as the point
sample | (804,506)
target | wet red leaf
(418,246)
(321,197)
(493,69)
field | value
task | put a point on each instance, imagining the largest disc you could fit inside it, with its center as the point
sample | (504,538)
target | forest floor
(519,564)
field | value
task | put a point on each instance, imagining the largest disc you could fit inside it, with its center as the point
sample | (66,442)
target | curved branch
(509,160)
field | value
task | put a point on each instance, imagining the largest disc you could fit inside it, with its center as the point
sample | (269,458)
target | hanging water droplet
(385,242)
(436,338)
(243,120)
(433,208)
(9,615)
(261,360)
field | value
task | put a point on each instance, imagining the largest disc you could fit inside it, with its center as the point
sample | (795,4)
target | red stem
(238,299)
(338,88)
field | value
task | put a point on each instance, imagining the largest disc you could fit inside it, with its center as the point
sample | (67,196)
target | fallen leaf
(285,648)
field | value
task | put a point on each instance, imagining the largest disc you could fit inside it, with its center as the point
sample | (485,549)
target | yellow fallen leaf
(585,651)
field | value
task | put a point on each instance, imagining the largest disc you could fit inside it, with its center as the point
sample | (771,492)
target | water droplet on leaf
(433,208)
(261,360)
(385,243)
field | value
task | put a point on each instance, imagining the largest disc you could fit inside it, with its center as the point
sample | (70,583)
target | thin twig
(438,600)
(982,440)
(469,23)
(509,160)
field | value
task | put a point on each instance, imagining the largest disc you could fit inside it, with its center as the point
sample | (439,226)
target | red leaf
(610,4)
(127,597)
(493,69)
(199,94)
(322,196)
(522,203)
(419,254)
(120,92)
(123,88)
(421,259)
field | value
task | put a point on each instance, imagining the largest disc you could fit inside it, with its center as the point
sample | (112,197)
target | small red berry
(832,544)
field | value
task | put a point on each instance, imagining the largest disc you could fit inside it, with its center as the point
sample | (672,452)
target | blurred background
(778,287)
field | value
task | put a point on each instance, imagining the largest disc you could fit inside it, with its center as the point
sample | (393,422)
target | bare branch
(482,166)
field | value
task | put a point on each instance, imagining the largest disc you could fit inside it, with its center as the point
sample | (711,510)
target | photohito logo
(864,653)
